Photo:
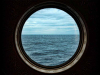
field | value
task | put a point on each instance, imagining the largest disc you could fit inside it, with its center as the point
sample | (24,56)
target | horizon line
(49,34)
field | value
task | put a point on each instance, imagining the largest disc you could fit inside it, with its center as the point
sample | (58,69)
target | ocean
(50,50)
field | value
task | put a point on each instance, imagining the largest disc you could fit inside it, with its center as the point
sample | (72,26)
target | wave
(50,50)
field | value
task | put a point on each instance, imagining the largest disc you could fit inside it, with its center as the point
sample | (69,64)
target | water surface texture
(50,50)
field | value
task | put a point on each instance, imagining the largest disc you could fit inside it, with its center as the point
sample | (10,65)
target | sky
(50,21)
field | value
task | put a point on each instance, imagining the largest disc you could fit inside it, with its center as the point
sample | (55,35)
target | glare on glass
(50,36)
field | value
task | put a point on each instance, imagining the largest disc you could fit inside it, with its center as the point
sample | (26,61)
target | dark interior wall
(12,64)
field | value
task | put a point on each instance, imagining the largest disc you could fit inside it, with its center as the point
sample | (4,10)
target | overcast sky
(50,21)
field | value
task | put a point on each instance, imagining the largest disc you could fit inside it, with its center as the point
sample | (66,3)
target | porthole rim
(55,70)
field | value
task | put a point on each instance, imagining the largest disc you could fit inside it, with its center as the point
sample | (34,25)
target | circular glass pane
(50,37)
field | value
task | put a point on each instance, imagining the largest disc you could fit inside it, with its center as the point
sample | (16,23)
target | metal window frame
(77,55)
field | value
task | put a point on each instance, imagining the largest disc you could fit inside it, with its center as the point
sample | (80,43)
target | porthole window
(50,37)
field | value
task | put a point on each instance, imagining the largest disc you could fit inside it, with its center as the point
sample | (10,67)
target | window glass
(50,37)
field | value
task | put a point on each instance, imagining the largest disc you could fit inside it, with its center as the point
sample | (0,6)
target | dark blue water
(50,50)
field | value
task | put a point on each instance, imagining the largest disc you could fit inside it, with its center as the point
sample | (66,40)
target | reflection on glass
(50,37)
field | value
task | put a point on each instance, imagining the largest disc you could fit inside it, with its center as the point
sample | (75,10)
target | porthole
(50,37)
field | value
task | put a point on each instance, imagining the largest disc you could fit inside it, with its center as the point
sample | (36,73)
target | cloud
(50,21)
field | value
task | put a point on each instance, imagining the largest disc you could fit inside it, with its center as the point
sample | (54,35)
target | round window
(49,37)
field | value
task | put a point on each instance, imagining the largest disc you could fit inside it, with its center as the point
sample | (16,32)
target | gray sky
(50,21)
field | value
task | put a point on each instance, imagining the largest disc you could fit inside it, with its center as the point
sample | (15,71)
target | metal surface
(67,65)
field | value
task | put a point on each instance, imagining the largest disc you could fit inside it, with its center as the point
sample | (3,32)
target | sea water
(50,50)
